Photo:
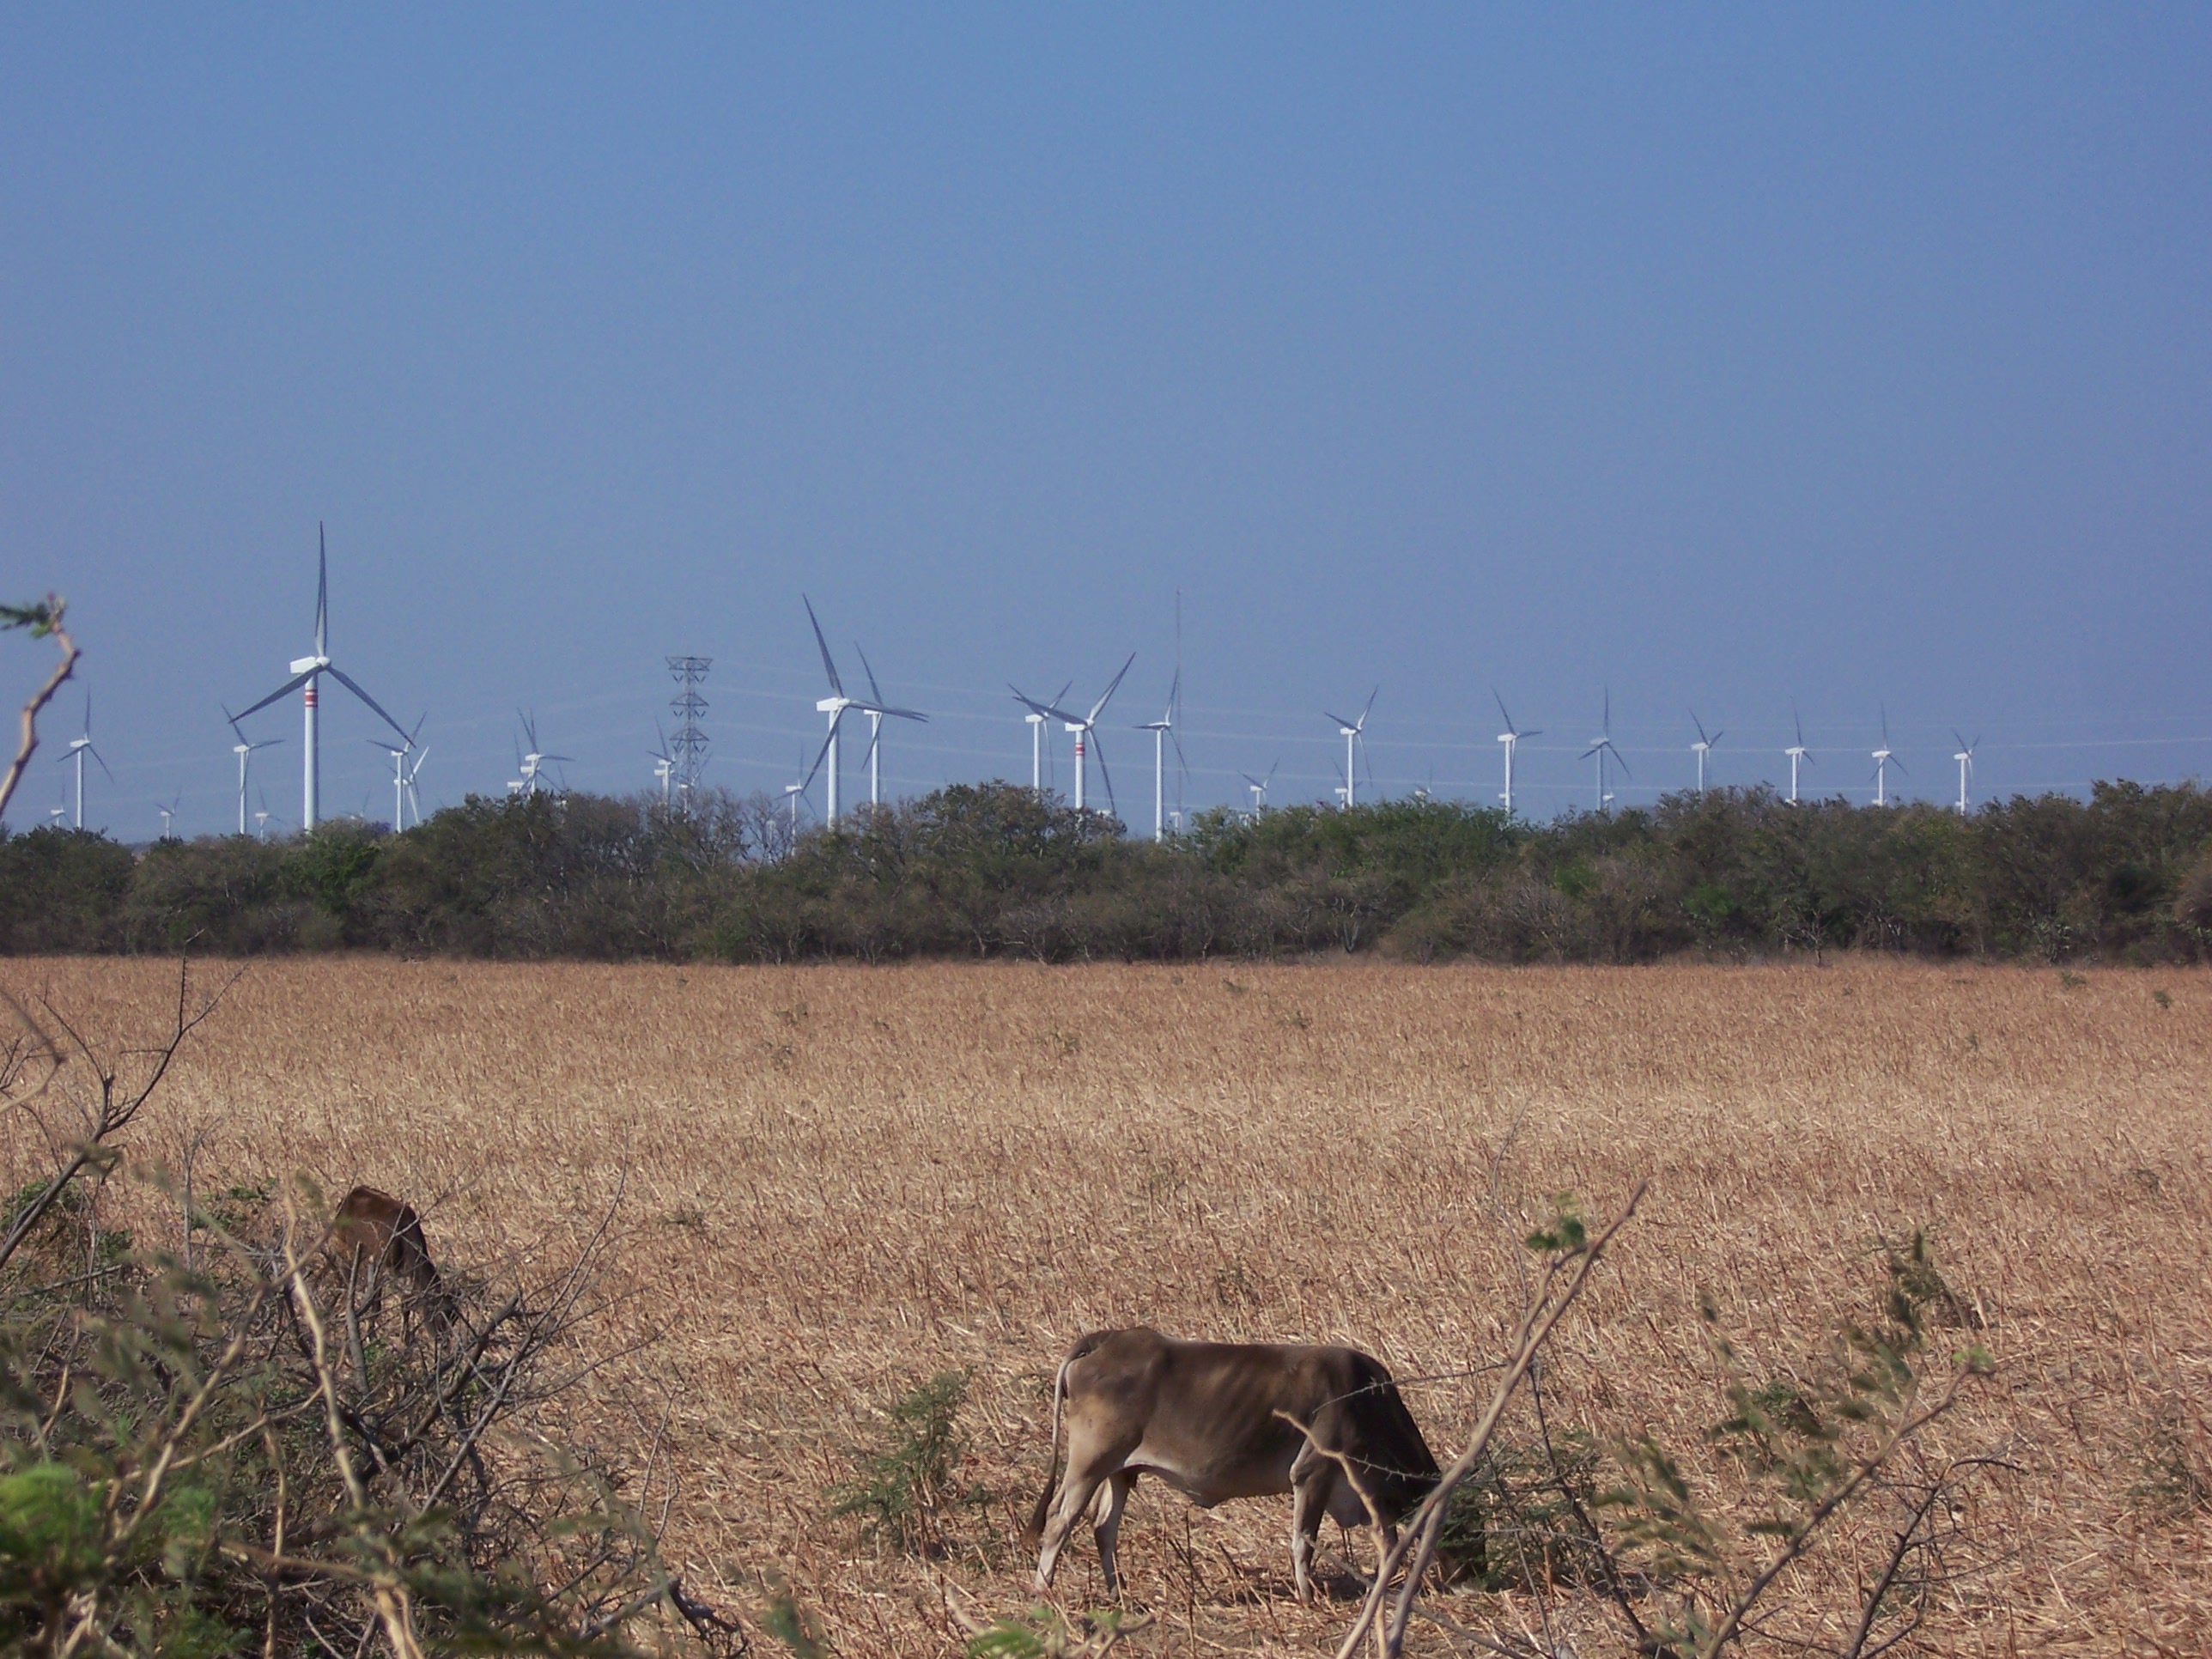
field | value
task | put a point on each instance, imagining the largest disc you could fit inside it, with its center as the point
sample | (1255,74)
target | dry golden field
(838,1182)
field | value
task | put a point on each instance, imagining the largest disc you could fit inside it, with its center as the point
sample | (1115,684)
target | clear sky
(1730,359)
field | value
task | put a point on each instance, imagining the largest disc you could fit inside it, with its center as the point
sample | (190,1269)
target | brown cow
(1209,1418)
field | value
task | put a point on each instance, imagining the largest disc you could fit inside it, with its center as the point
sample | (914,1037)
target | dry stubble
(840,1181)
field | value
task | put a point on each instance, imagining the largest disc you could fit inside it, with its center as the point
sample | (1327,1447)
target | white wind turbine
(1797,751)
(1085,728)
(663,767)
(531,763)
(1965,759)
(1510,737)
(261,818)
(1259,787)
(401,776)
(79,747)
(1037,721)
(877,712)
(169,812)
(244,750)
(1163,730)
(305,673)
(1601,746)
(1353,732)
(1701,748)
(1884,758)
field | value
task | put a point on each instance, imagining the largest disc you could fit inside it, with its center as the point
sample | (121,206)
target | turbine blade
(346,681)
(1621,763)
(836,685)
(1112,686)
(875,692)
(820,755)
(1713,742)
(1522,737)
(1700,725)
(1360,724)
(904,714)
(322,591)
(1500,702)
(285,690)
(1098,750)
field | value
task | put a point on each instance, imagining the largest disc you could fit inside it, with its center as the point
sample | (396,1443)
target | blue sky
(1727,359)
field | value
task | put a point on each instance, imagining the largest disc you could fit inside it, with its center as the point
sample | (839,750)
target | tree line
(996,870)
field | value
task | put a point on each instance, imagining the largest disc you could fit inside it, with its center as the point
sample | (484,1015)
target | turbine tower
(1085,728)
(1797,751)
(79,747)
(1884,758)
(1601,746)
(1163,730)
(1510,737)
(305,673)
(1965,759)
(1352,732)
(1701,748)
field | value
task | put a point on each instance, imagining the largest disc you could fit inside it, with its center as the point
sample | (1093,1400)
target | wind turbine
(532,764)
(1352,732)
(1084,726)
(169,812)
(1510,737)
(834,706)
(877,711)
(414,800)
(1163,730)
(79,747)
(1601,746)
(1036,720)
(1797,751)
(1259,787)
(1884,758)
(261,818)
(1965,759)
(400,776)
(663,767)
(1701,748)
(244,750)
(305,671)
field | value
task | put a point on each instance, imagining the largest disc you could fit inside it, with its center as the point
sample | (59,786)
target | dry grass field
(836,1182)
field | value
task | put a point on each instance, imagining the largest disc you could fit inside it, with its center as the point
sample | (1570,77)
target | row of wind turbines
(1080,722)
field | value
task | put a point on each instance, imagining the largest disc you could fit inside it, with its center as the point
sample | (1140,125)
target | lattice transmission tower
(687,748)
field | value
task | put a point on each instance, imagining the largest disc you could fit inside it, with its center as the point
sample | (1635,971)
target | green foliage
(1566,1233)
(1805,1443)
(906,1483)
(41,616)
(996,870)
(1521,1520)
(1044,1632)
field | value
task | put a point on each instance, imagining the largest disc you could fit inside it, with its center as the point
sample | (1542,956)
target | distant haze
(1726,358)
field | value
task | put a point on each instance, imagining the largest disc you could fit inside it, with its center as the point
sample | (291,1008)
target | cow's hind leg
(1112,1499)
(1313,1483)
(1089,1464)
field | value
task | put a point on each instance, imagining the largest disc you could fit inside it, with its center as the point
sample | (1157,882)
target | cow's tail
(1033,1534)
